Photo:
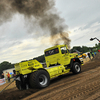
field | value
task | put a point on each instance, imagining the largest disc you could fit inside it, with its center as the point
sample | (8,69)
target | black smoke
(43,11)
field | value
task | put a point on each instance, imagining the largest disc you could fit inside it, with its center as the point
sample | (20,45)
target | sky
(18,43)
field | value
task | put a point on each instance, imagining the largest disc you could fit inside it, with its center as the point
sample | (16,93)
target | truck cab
(58,55)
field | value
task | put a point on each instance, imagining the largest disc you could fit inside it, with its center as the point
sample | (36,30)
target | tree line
(86,49)
(5,65)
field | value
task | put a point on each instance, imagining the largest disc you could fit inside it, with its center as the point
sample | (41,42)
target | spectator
(95,53)
(89,55)
(92,54)
(2,76)
(8,76)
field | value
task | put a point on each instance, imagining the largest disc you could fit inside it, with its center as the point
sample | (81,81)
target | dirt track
(83,86)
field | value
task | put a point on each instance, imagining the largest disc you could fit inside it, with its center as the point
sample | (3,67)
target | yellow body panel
(33,65)
(26,67)
(82,55)
(55,71)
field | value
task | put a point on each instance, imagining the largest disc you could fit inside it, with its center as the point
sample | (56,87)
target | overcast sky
(82,17)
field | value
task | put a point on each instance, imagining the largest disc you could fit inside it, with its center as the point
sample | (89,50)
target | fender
(72,61)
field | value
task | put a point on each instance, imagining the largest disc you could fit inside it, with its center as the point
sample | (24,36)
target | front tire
(39,79)
(76,68)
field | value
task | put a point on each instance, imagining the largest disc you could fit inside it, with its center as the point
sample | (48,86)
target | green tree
(84,49)
(40,58)
(76,48)
(96,45)
(5,65)
(99,44)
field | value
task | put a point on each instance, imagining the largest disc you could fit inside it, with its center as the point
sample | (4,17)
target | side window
(63,50)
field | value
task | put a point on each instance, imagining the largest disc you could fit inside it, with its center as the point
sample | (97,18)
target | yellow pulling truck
(32,74)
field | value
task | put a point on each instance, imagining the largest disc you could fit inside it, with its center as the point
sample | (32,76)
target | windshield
(51,52)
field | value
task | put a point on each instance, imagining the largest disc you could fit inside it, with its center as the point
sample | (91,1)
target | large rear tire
(76,68)
(19,85)
(39,79)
